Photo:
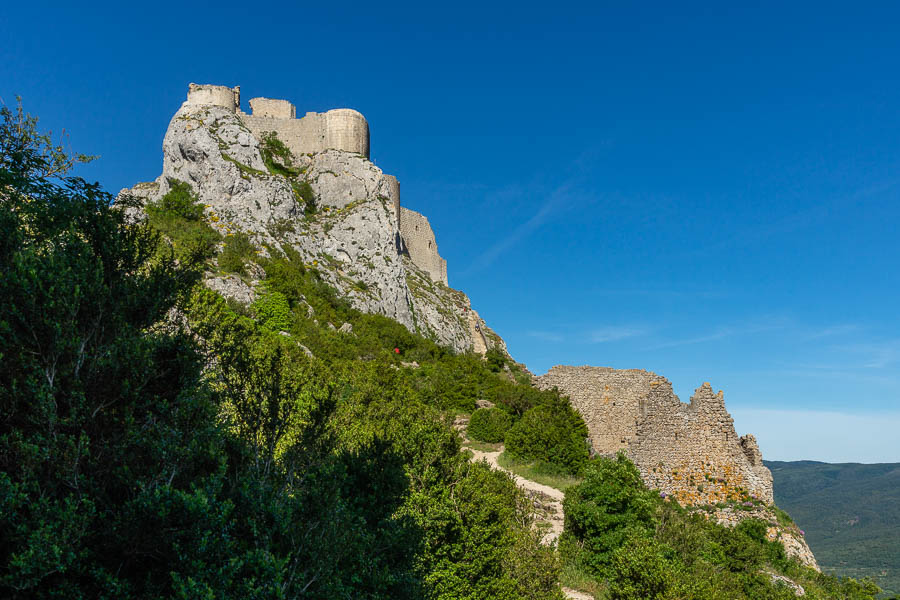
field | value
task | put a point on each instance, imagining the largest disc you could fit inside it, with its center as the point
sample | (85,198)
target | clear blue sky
(704,191)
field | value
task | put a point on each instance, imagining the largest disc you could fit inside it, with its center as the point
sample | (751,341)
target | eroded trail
(547,502)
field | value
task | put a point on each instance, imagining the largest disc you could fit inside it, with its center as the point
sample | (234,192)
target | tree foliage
(551,433)
(206,455)
(489,425)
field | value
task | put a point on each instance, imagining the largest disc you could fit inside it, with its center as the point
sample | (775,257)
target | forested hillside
(160,441)
(850,512)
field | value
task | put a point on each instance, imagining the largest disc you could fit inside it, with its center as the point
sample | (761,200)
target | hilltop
(850,513)
(248,378)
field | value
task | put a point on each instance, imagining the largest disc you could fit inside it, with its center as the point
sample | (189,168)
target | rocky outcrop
(790,536)
(353,238)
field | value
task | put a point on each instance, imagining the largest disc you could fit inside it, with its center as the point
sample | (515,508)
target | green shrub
(489,425)
(602,511)
(179,216)
(277,156)
(553,433)
(179,201)
(273,311)
(238,250)
(305,195)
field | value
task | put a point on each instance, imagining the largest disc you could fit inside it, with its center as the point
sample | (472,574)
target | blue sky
(708,192)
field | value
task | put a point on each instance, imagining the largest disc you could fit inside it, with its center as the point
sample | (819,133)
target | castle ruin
(341,129)
(689,451)
(421,244)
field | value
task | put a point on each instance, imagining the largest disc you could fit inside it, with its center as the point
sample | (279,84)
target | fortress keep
(341,129)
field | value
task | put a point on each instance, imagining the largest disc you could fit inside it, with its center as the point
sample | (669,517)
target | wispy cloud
(875,355)
(556,200)
(723,332)
(833,331)
(546,336)
(798,220)
(612,334)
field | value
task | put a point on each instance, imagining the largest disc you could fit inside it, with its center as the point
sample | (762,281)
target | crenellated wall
(421,245)
(690,451)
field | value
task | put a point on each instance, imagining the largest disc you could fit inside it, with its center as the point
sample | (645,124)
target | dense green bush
(237,252)
(601,512)
(179,216)
(273,311)
(277,156)
(179,201)
(642,546)
(551,433)
(489,425)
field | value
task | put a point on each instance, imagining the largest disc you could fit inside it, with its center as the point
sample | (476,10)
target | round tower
(346,129)
(215,95)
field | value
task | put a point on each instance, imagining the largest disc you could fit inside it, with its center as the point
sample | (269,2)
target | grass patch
(483,446)
(573,577)
(246,170)
(541,472)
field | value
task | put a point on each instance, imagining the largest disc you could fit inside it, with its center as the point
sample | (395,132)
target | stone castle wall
(690,451)
(339,129)
(394,196)
(421,245)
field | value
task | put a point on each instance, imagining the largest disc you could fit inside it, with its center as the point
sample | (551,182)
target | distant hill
(850,512)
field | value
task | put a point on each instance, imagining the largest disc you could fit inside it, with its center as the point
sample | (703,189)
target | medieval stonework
(342,129)
(355,238)
(384,259)
(689,451)
(421,244)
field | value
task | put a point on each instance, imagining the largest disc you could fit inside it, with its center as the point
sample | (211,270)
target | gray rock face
(340,178)
(209,148)
(353,239)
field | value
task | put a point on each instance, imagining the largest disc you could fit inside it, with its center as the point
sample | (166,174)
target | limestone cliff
(353,238)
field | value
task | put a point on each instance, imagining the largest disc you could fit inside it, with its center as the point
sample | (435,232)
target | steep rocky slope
(352,236)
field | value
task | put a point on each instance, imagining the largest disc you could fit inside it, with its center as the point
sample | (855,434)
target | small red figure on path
(396,350)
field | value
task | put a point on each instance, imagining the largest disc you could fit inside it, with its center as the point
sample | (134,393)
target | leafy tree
(489,425)
(602,511)
(552,433)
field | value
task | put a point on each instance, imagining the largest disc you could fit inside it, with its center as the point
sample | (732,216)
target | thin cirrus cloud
(546,336)
(876,355)
(557,199)
(614,334)
(721,333)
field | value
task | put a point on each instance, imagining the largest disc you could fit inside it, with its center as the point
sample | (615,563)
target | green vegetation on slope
(209,456)
(850,513)
(157,441)
(636,545)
